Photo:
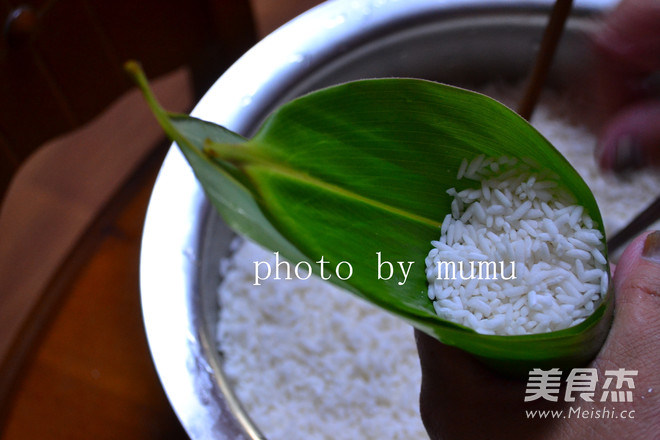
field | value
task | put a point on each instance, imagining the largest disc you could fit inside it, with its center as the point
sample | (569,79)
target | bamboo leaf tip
(133,68)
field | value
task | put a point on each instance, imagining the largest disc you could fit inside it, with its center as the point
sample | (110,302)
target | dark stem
(637,225)
(553,32)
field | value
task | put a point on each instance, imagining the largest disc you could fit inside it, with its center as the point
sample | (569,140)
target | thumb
(637,287)
(631,138)
(633,343)
(634,340)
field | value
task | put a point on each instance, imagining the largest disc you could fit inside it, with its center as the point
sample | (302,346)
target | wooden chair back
(61,60)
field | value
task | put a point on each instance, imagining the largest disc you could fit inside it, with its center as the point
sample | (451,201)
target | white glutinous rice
(308,361)
(519,257)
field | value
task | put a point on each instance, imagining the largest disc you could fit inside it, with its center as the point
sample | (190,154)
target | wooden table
(91,376)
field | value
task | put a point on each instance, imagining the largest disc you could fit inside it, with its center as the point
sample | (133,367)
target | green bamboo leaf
(231,199)
(358,172)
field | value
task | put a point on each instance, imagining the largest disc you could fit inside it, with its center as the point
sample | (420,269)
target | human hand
(627,56)
(462,399)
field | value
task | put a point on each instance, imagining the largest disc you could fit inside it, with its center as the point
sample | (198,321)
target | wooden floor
(90,375)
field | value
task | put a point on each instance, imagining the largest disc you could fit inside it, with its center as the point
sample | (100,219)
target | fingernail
(651,249)
(627,155)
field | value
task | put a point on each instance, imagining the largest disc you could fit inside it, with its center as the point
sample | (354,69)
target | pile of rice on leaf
(517,255)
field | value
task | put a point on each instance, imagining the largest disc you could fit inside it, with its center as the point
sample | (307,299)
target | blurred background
(79,153)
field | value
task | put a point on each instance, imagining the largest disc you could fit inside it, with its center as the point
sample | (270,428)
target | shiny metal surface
(455,41)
